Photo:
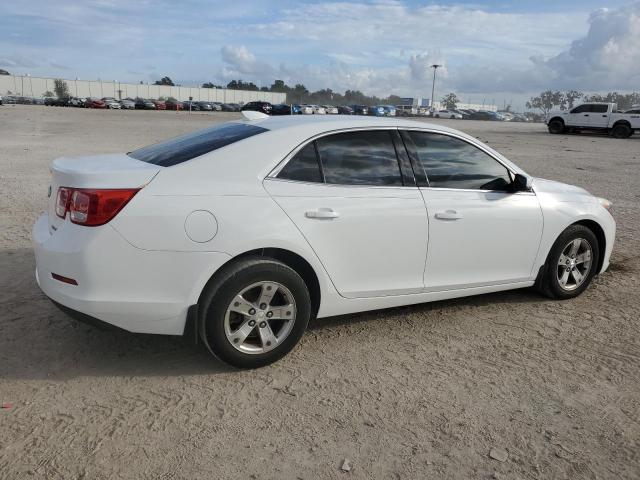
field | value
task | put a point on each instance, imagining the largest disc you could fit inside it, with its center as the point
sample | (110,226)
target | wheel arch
(293,260)
(624,122)
(598,231)
(553,119)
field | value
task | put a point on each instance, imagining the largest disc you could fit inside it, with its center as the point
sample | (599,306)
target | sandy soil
(430,391)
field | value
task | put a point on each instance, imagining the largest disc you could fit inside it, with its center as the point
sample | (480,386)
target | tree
(61,88)
(210,85)
(545,101)
(48,93)
(450,101)
(279,86)
(4,72)
(571,96)
(165,81)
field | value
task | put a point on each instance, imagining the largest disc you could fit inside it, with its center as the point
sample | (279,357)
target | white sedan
(448,114)
(245,231)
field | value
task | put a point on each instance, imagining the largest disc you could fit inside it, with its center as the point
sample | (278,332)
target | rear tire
(254,312)
(621,131)
(571,264)
(556,126)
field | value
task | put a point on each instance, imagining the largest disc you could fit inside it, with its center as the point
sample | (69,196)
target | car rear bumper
(136,290)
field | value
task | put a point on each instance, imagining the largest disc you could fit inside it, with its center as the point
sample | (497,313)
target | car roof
(308,126)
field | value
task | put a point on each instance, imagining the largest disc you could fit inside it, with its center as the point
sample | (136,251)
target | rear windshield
(192,145)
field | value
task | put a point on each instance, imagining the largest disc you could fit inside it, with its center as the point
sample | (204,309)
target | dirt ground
(552,389)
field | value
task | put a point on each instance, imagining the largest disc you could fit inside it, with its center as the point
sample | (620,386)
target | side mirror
(521,183)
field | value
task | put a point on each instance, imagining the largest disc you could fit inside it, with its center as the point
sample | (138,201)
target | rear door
(479,232)
(359,210)
(599,116)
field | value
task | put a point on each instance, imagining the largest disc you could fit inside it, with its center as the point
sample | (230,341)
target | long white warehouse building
(27,86)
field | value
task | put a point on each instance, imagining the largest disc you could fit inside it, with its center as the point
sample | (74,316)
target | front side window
(450,162)
(359,158)
(192,145)
(582,109)
(303,167)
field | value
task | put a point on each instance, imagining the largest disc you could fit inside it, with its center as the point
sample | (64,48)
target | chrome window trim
(276,170)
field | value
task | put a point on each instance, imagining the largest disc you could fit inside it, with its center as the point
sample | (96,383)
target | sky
(498,51)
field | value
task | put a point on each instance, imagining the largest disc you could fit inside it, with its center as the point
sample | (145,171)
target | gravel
(414,392)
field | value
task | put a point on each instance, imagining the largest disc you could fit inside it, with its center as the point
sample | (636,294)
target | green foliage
(61,88)
(4,72)
(210,85)
(48,93)
(165,81)
(450,101)
(546,101)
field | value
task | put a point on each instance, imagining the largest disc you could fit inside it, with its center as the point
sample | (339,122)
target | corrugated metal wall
(37,86)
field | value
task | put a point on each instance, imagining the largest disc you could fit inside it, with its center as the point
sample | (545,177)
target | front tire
(254,312)
(571,263)
(556,126)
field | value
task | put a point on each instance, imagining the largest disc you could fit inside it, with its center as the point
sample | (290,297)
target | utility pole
(433,85)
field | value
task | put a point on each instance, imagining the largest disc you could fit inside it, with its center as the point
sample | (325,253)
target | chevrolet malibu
(243,232)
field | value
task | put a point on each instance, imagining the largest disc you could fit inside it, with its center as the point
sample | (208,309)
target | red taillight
(92,207)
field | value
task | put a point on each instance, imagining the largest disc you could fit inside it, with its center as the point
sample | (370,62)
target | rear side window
(599,108)
(453,163)
(359,158)
(303,167)
(192,145)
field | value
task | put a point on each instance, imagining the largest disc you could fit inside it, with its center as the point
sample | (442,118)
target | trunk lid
(99,171)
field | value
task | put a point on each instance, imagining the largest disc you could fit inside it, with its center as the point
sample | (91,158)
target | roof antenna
(252,115)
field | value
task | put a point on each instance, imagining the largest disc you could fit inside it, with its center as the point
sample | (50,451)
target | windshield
(192,145)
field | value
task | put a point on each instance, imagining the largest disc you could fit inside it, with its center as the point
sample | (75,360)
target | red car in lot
(94,103)
(160,104)
(174,105)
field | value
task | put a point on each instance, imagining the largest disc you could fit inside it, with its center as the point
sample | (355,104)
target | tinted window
(192,145)
(303,166)
(581,109)
(359,158)
(633,111)
(599,108)
(454,163)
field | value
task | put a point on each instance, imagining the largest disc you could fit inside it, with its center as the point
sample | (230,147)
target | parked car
(55,102)
(594,116)
(236,106)
(144,104)
(216,106)
(0,99)
(204,106)
(406,111)
(281,109)
(264,107)
(377,111)
(169,253)
(448,114)
(91,102)
(344,110)
(174,105)
(303,109)
(485,115)
(360,109)
(634,111)
(160,104)
(36,101)
(389,110)
(318,110)
(128,104)
(111,103)
(227,107)
(9,100)
(330,109)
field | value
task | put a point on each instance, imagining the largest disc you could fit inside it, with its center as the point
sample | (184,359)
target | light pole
(433,86)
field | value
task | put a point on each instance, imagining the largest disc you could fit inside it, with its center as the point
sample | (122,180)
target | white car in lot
(448,114)
(595,116)
(246,230)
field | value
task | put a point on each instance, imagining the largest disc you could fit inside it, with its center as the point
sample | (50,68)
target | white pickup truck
(594,116)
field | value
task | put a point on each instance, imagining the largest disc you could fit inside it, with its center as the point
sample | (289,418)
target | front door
(479,232)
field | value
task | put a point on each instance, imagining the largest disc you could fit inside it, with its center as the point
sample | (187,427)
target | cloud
(240,61)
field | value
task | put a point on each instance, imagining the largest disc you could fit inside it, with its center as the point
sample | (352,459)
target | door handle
(322,214)
(448,215)
(586,114)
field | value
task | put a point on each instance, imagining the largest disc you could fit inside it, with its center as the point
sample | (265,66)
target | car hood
(562,192)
